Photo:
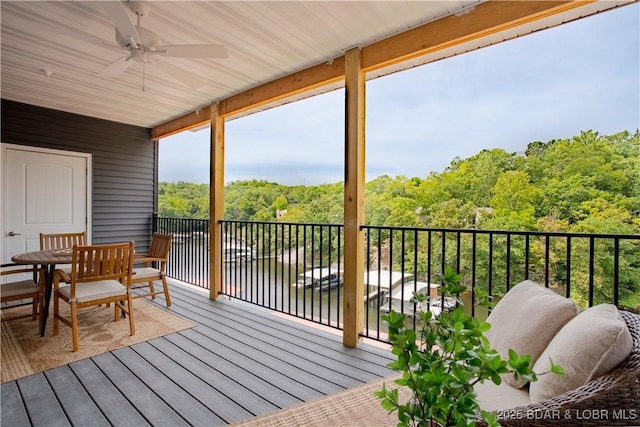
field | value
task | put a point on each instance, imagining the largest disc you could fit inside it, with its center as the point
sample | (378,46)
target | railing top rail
(523,233)
(316,224)
(439,230)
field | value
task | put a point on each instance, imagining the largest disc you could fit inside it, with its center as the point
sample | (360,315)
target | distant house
(480,212)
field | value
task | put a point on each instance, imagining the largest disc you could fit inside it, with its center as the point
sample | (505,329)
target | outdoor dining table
(48,260)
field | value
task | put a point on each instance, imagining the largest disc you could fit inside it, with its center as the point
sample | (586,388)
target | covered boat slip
(239,361)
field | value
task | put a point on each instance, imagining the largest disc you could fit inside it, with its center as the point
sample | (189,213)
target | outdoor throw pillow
(525,320)
(587,347)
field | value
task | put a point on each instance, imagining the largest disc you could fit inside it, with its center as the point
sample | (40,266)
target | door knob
(12,233)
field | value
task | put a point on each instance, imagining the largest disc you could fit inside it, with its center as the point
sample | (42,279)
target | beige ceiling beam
(189,121)
(481,21)
(290,85)
(485,19)
(285,87)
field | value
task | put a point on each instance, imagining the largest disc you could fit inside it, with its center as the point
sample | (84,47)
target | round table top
(53,256)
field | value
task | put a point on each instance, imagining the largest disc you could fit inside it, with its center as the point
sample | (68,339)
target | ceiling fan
(143,44)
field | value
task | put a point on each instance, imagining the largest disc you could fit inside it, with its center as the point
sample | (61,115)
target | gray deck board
(192,389)
(42,405)
(13,410)
(237,362)
(249,390)
(143,398)
(74,399)
(115,407)
(316,350)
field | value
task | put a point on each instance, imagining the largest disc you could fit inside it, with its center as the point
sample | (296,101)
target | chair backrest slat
(160,245)
(62,240)
(102,262)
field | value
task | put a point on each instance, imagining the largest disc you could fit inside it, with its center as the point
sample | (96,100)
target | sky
(553,84)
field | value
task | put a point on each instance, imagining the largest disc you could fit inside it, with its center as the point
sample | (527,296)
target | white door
(43,191)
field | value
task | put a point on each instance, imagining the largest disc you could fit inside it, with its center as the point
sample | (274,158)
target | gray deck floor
(238,362)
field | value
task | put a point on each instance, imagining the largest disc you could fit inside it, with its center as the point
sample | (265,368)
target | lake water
(270,283)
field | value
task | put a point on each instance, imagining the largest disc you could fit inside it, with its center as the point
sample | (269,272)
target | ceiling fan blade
(193,51)
(118,14)
(180,75)
(116,67)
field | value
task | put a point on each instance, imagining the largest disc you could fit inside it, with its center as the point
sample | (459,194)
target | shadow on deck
(238,362)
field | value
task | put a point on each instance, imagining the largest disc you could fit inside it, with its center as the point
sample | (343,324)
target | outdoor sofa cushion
(525,320)
(587,347)
(493,397)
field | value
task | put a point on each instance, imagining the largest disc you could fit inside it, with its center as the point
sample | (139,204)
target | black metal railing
(189,254)
(291,268)
(297,268)
(589,268)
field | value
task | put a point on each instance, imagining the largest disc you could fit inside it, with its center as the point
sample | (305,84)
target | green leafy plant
(443,361)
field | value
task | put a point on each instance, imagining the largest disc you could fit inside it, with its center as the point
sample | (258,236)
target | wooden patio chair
(100,274)
(155,263)
(22,289)
(62,241)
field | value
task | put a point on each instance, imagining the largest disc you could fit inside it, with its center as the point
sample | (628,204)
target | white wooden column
(353,308)
(216,201)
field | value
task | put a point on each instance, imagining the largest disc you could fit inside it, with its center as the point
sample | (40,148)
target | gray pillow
(587,347)
(525,320)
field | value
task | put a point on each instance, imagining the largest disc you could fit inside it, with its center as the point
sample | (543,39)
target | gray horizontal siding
(124,166)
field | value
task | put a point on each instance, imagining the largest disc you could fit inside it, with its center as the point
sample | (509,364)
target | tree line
(589,183)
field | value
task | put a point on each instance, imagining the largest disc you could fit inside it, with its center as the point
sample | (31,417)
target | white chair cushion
(141,273)
(587,347)
(17,288)
(90,291)
(525,320)
(493,397)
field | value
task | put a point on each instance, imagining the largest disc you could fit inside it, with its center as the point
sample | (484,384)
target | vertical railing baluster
(415,271)
(329,250)
(547,249)
(429,257)
(508,260)
(616,271)
(443,249)
(320,229)
(458,266)
(265,254)
(592,244)
(379,248)
(304,268)
(526,257)
(367,251)
(567,291)
(490,266)
(473,274)
(340,268)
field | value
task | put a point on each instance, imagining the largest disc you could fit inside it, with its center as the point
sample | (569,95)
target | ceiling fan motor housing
(148,39)
(140,8)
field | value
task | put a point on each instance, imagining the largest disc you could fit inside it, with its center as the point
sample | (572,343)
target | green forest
(589,183)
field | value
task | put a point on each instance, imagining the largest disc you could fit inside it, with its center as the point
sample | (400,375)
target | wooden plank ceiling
(52,51)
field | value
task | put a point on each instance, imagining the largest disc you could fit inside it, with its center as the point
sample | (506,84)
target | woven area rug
(349,408)
(25,352)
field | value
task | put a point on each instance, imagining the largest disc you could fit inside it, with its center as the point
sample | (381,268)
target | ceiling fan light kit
(143,43)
